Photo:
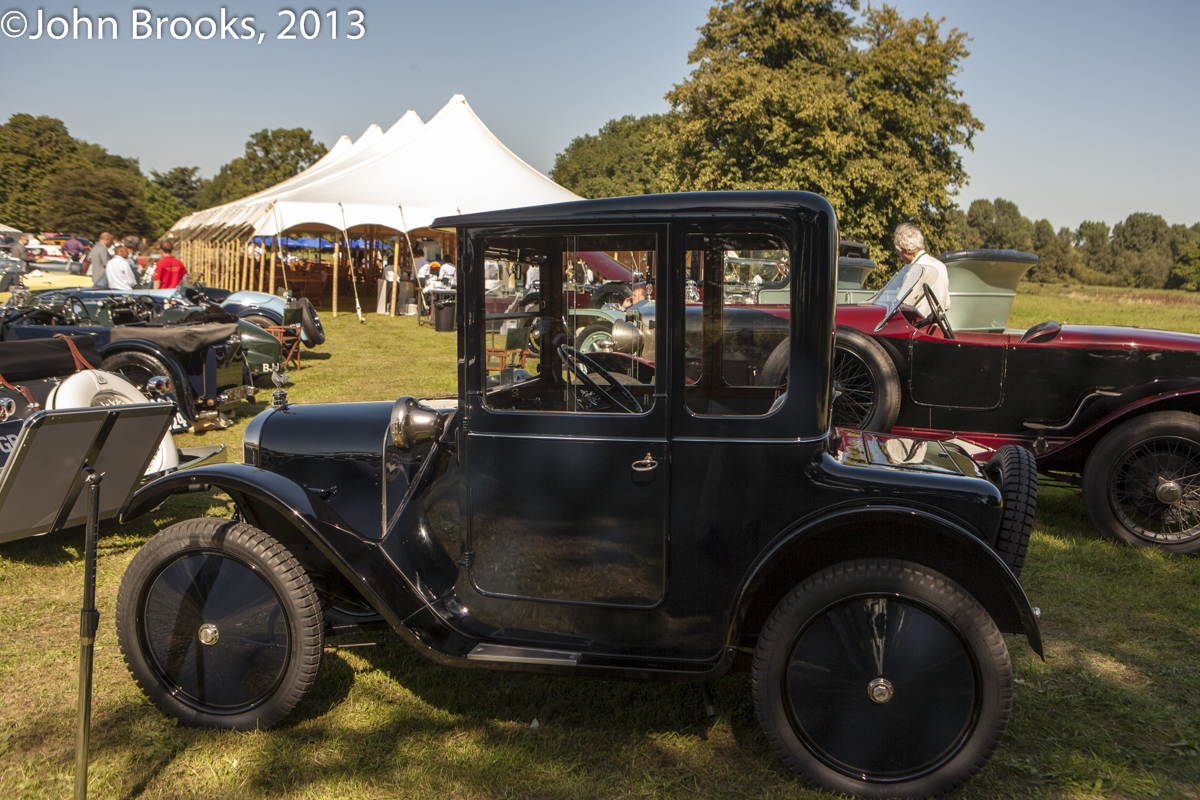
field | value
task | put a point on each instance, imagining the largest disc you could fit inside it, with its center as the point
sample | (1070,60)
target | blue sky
(1089,107)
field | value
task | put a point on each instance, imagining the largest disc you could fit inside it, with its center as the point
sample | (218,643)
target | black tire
(866,385)
(611,292)
(310,323)
(1141,483)
(138,368)
(267,640)
(259,320)
(587,339)
(1014,471)
(882,678)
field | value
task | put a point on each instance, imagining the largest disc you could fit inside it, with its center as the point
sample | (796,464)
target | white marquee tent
(390,182)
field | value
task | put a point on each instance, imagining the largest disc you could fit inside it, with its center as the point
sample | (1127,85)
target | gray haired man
(910,246)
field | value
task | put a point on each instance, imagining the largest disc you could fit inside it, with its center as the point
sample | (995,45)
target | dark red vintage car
(1113,409)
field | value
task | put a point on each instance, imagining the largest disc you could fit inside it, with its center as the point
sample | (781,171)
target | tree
(999,225)
(1141,248)
(162,209)
(791,94)
(1186,272)
(1093,239)
(182,183)
(618,161)
(271,156)
(91,201)
(32,151)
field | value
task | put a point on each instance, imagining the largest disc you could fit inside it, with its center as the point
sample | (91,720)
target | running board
(522,655)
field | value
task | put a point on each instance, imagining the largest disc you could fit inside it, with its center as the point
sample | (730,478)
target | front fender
(887,531)
(300,521)
(243,478)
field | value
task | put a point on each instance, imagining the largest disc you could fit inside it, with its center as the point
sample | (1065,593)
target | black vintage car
(204,362)
(578,515)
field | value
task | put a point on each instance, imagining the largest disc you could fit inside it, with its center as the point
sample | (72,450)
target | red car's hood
(1121,337)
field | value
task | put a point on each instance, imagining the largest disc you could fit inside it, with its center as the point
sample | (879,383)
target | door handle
(645,465)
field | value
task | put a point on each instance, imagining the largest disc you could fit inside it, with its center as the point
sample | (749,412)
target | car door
(566,459)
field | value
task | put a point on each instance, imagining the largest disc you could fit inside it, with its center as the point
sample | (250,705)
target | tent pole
(395,273)
(337,265)
(274,250)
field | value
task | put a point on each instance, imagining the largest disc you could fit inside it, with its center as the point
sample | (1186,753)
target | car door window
(736,355)
(561,349)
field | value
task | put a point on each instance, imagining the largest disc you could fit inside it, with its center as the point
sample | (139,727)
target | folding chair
(289,341)
(514,354)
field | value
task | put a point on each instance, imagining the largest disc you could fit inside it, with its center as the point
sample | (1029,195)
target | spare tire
(310,323)
(94,388)
(611,292)
(1014,471)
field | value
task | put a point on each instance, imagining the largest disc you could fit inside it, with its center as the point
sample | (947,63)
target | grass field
(1113,711)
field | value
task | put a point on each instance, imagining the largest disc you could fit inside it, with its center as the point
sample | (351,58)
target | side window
(736,356)
(571,338)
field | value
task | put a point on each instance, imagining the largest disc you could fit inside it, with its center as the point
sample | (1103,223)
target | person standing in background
(98,260)
(170,271)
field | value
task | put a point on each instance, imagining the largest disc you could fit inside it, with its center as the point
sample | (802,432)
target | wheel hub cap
(1168,492)
(209,634)
(880,690)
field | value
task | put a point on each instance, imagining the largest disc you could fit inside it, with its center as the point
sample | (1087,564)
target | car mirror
(412,424)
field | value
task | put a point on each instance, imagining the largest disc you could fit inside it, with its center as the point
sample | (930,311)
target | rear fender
(1079,446)
(887,531)
(331,551)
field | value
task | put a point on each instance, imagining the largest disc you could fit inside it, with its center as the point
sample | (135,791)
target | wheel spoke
(1135,490)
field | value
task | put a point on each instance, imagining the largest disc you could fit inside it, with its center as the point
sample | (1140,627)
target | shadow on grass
(66,546)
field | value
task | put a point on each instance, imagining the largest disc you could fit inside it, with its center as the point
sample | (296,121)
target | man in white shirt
(448,275)
(120,272)
(533,276)
(420,265)
(910,246)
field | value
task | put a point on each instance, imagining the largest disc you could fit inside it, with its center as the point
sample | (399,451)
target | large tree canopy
(271,156)
(616,162)
(793,94)
(32,151)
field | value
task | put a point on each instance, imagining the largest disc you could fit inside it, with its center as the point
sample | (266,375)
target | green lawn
(1113,712)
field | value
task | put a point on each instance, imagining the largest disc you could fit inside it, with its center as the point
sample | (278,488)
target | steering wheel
(614,392)
(937,315)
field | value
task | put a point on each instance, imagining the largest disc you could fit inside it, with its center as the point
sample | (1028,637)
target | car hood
(1115,336)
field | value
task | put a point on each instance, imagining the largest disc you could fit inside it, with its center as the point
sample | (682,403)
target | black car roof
(648,206)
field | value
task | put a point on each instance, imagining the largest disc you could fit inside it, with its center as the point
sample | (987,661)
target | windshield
(898,289)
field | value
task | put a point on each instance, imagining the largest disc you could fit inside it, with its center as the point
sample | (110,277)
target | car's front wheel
(1141,483)
(882,678)
(219,625)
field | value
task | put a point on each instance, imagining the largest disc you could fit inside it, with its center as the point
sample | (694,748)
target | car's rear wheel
(1141,483)
(866,385)
(219,625)
(611,292)
(138,368)
(882,678)
(1014,471)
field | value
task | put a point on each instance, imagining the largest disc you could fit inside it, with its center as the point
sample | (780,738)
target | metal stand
(56,456)
(89,622)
